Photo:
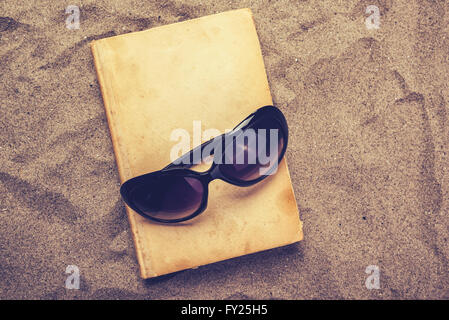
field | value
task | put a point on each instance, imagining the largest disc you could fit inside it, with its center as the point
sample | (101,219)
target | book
(155,81)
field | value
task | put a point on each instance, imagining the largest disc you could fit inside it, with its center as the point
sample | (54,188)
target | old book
(210,70)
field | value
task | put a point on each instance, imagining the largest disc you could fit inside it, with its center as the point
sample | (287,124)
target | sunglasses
(242,157)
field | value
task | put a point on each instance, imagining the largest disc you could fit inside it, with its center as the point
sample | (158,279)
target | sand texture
(368,153)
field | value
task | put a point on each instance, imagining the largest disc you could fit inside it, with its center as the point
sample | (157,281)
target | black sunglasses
(176,194)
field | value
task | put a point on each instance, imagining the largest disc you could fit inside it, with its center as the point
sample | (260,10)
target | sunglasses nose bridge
(211,174)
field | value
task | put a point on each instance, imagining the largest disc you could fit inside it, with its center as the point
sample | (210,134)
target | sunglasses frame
(180,166)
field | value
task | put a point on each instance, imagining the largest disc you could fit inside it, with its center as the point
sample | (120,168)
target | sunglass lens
(169,197)
(254,152)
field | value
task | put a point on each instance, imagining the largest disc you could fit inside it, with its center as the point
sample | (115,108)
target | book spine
(121,158)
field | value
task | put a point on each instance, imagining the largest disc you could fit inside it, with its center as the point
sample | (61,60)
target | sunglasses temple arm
(185,161)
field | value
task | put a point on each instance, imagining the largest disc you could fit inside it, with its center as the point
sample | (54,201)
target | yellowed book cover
(155,81)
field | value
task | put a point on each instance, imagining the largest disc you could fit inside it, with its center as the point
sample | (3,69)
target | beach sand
(368,153)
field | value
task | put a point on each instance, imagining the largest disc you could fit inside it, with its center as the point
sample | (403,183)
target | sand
(368,153)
